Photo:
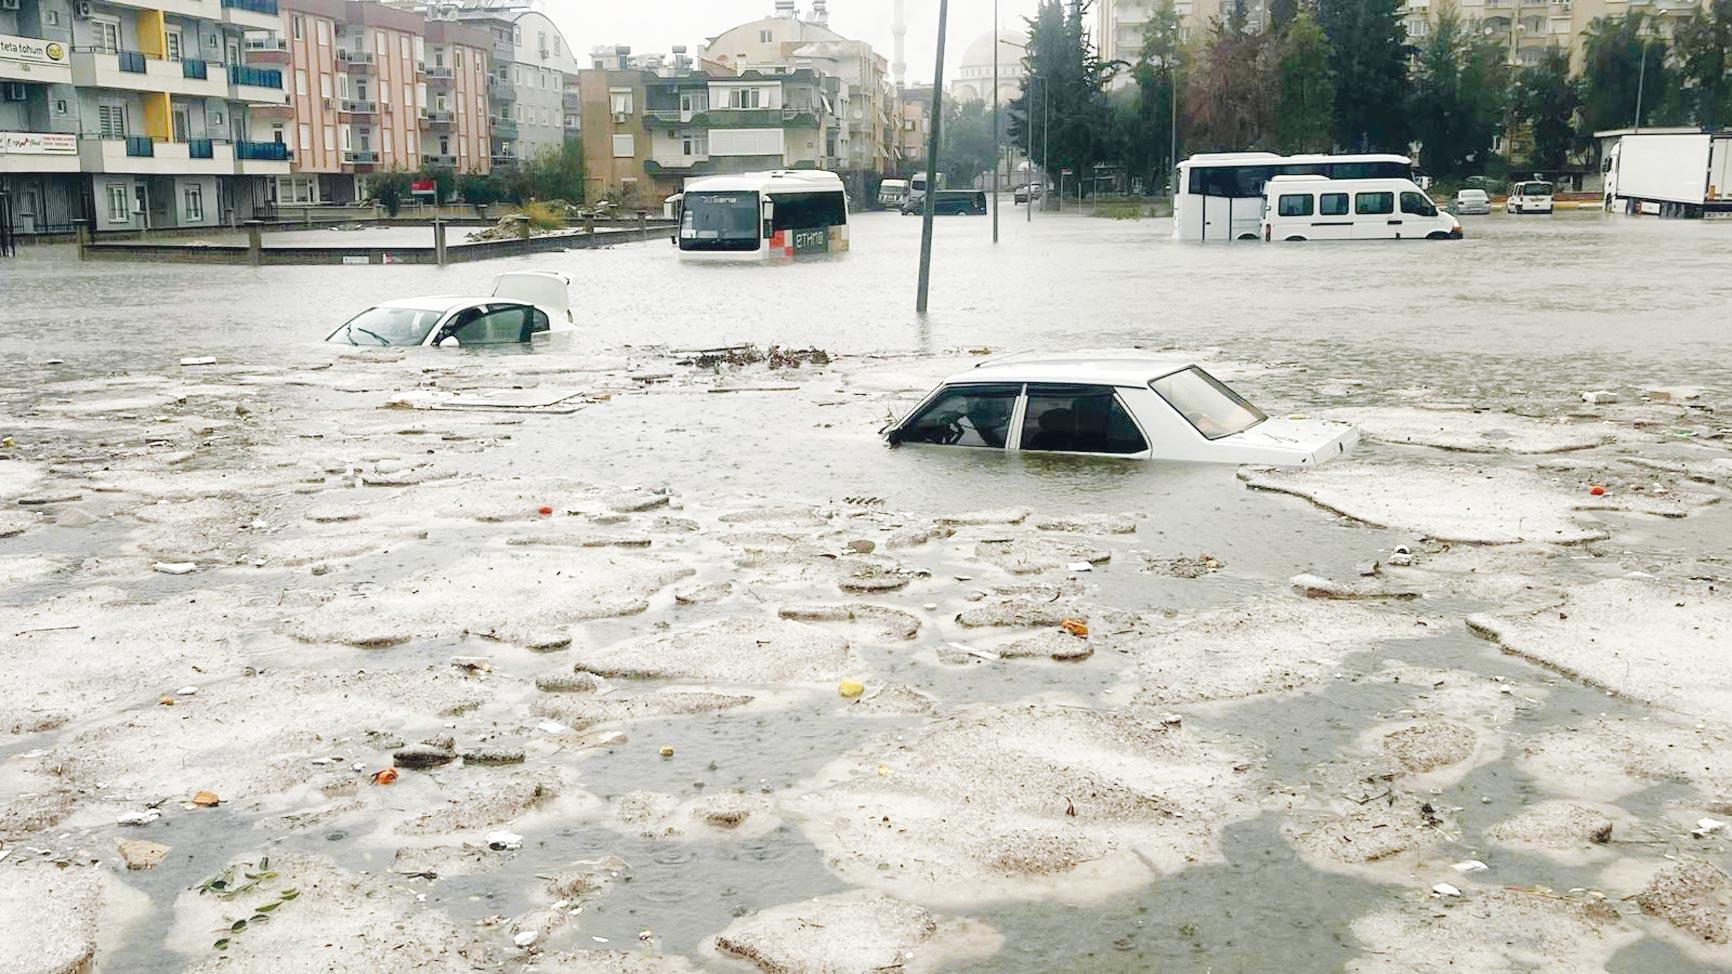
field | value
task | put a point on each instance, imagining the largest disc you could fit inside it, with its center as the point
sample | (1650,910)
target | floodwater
(1521,317)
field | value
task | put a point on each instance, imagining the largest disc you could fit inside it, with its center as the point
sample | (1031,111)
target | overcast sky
(657,25)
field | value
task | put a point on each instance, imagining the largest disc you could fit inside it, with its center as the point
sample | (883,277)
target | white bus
(763,216)
(1219,196)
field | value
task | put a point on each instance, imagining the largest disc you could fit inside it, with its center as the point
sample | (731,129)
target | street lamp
(997,152)
(1641,81)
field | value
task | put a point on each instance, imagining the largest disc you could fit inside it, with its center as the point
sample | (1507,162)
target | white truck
(1670,173)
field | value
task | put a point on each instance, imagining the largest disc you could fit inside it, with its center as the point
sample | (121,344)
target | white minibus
(1219,196)
(1317,208)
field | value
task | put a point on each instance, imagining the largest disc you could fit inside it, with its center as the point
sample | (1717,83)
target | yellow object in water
(667,752)
(850,689)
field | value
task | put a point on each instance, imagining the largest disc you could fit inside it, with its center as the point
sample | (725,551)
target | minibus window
(1417,204)
(1374,204)
(1296,205)
(1333,204)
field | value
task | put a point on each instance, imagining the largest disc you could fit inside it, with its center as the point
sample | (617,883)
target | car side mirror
(449,341)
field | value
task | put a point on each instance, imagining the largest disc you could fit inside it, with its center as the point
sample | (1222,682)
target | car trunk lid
(550,290)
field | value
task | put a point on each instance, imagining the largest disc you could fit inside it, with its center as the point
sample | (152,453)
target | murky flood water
(1234,778)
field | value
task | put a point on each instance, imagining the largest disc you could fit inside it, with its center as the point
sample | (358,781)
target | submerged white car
(524,306)
(1139,408)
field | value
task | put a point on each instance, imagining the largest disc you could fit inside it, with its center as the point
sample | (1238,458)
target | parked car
(1130,407)
(1027,190)
(948,201)
(524,306)
(1320,208)
(1532,196)
(1470,202)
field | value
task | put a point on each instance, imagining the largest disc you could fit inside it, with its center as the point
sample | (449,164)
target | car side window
(497,325)
(1296,205)
(1417,204)
(538,322)
(1079,419)
(1374,204)
(973,415)
(1333,204)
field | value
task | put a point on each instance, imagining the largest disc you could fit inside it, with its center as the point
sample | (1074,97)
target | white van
(892,193)
(1533,196)
(1315,208)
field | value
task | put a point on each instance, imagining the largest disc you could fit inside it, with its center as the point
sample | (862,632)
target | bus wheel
(1247,236)
(1295,239)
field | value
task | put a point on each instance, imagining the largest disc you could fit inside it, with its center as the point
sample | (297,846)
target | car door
(973,414)
(1091,419)
(1374,216)
(489,324)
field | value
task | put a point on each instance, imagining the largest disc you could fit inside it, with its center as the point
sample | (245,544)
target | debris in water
(198,360)
(1599,397)
(524,938)
(849,689)
(1444,889)
(140,854)
(1597,490)
(667,751)
(385,777)
(504,840)
(174,567)
(138,818)
(1076,627)
(1469,866)
(1706,827)
(206,799)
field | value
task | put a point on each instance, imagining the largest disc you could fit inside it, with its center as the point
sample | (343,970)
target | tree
(1231,95)
(390,189)
(1621,60)
(1069,77)
(1459,96)
(1144,117)
(555,173)
(1704,50)
(1546,99)
(1368,61)
(1305,112)
(967,149)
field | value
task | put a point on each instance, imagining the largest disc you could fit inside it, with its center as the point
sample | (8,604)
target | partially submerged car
(1472,202)
(524,306)
(1138,408)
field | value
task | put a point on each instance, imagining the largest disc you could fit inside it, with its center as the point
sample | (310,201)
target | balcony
(503,128)
(207,9)
(441,76)
(354,62)
(252,14)
(360,157)
(729,118)
(439,159)
(352,106)
(501,90)
(571,101)
(258,85)
(262,159)
(140,155)
(438,119)
(133,71)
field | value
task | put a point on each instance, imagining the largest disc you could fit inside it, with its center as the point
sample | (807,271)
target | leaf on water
(268,907)
(217,884)
(237,926)
(222,944)
(259,918)
(289,894)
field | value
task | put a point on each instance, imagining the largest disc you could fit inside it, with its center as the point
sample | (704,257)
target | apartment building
(913,128)
(133,115)
(533,65)
(858,97)
(646,132)
(456,128)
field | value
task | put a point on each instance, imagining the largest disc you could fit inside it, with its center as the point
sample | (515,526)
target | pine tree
(1368,60)
(1546,99)
(1304,113)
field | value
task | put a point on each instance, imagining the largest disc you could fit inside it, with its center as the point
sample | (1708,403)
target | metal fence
(8,234)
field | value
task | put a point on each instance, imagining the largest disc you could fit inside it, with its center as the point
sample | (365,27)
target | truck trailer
(1669,173)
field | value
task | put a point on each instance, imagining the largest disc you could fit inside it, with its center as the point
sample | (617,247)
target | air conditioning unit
(81,9)
(620,117)
(14,92)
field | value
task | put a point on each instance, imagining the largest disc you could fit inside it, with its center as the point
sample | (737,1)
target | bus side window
(1296,205)
(1374,204)
(1333,204)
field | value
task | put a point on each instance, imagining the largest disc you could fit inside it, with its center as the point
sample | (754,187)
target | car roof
(444,302)
(1128,370)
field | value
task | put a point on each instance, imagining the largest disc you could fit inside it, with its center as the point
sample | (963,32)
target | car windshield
(1210,406)
(1471,195)
(1536,189)
(388,326)
(720,216)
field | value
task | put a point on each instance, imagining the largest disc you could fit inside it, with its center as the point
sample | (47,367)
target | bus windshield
(719,221)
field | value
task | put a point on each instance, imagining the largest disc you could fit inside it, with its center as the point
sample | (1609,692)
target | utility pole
(997,151)
(932,162)
(1641,80)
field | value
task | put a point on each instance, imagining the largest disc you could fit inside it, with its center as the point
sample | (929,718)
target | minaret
(900,29)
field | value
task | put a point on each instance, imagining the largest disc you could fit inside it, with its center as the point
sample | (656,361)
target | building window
(215,118)
(119,203)
(60,107)
(51,18)
(379,42)
(297,25)
(621,101)
(111,120)
(744,98)
(765,37)
(403,46)
(624,146)
(325,85)
(324,32)
(301,82)
(107,34)
(306,137)
(517,35)
(444,145)
(330,136)
(556,46)
(194,201)
(695,144)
